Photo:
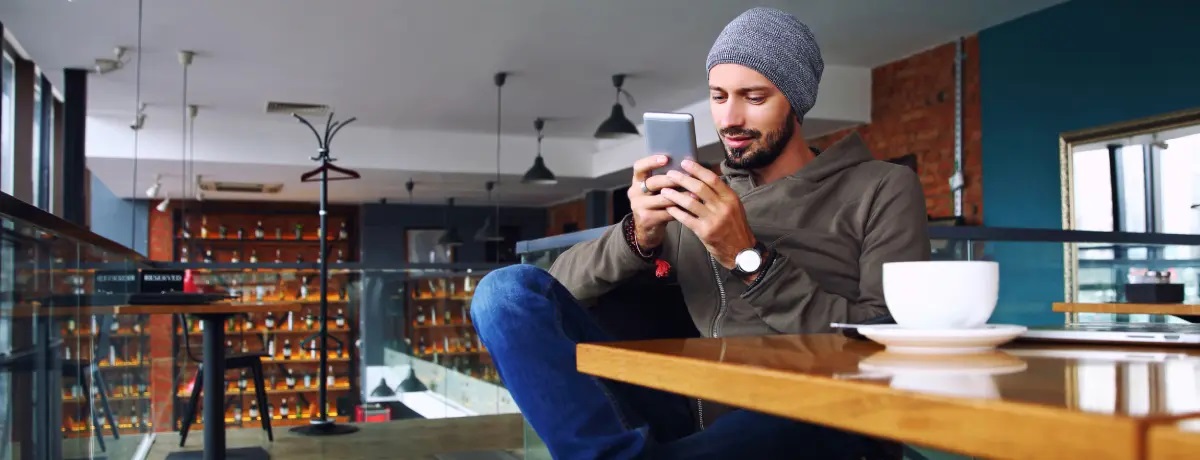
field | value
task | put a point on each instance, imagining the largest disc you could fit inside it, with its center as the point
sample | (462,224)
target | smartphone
(673,135)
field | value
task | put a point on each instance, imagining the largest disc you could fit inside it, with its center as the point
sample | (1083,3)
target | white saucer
(941,341)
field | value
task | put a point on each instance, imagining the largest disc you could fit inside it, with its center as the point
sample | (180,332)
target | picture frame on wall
(421,247)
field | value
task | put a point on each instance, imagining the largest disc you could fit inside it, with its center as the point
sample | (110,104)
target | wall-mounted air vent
(288,108)
(240,187)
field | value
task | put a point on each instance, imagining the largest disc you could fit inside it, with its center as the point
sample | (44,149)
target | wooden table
(213,316)
(1176,440)
(1025,400)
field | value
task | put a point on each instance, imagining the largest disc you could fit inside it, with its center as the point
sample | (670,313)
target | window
(8,126)
(37,143)
(1154,179)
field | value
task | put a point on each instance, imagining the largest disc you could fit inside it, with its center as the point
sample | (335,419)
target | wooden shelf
(262,241)
(123,428)
(232,390)
(276,422)
(1128,308)
(71,400)
(258,331)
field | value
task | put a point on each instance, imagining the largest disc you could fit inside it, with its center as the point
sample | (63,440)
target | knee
(507,294)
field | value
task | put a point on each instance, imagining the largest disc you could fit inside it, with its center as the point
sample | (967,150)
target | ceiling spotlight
(106,65)
(162,207)
(153,190)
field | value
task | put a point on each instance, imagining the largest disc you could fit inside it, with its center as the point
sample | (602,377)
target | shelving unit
(439,325)
(124,368)
(254,239)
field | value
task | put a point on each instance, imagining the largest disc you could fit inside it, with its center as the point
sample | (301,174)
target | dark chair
(251,360)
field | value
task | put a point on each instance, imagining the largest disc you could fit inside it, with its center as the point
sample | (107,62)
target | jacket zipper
(715,323)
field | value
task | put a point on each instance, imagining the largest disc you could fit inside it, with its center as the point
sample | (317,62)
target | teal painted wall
(1081,64)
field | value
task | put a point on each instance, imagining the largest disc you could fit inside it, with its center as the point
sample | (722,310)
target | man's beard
(768,149)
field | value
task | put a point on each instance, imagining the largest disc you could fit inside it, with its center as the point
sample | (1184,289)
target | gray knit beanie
(777,45)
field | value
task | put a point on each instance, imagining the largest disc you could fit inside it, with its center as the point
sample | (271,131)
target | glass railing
(74,371)
(401,341)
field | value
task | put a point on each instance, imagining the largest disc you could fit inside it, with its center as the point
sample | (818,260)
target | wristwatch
(750,261)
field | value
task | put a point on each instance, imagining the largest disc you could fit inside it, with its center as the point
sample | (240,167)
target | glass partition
(74,371)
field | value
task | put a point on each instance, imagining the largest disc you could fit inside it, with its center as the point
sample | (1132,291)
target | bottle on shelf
(237,413)
(241,233)
(245,349)
(299,258)
(341,319)
(222,232)
(249,326)
(421,346)
(269,321)
(133,416)
(278,257)
(203,227)
(137,325)
(291,321)
(184,232)
(237,256)
(340,351)
(330,379)
(308,380)
(343,234)
(448,317)
(183,254)
(283,409)
(290,380)
(312,349)
(433,316)
(287,348)
(241,383)
(71,325)
(116,325)
(309,320)
(299,232)
(420,315)
(340,259)
(95,327)
(208,257)
(258,231)
(278,233)
(271,347)
(254,410)
(253,256)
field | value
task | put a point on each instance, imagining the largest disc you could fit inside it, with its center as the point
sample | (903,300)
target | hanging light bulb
(539,173)
(617,124)
(490,231)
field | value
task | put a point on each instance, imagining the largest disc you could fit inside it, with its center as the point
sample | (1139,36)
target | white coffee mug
(941,294)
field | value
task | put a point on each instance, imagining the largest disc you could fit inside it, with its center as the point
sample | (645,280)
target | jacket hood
(846,153)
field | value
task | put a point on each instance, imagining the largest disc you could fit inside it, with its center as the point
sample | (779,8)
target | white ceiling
(427,65)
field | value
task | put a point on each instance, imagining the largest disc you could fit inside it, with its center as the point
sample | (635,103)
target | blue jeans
(530,324)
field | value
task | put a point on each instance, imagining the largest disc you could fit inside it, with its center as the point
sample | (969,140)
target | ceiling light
(617,124)
(162,207)
(153,190)
(539,173)
(450,238)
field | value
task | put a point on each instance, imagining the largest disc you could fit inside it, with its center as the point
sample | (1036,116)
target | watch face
(748,260)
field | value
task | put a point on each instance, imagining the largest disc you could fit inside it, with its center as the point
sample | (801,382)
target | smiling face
(753,118)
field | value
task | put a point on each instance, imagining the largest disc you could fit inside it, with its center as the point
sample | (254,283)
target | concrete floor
(482,437)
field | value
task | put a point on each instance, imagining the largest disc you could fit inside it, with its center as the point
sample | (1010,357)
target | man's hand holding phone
(649,208)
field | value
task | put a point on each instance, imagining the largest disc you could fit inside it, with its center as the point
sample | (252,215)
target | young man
(784,242)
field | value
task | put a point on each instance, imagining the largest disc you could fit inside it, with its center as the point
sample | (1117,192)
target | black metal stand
(324,425)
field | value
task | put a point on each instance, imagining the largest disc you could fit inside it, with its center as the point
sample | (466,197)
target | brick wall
(912,111)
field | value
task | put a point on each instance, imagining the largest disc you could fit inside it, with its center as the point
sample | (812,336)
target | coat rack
(324,426)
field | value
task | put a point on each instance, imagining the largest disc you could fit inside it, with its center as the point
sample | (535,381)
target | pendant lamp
(539,173)
(617,125)
(450,238)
